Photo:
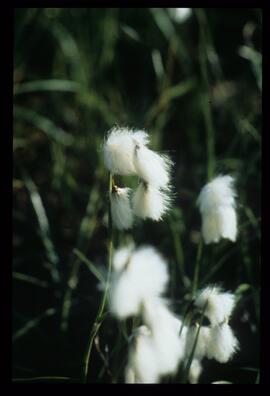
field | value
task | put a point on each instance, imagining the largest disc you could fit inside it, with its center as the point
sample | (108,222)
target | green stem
(100,316)
(197,267)
(190,359)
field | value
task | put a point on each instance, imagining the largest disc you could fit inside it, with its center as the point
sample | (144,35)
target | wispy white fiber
(219,304)
(152,167)
(165,328)
(121,257)
(119,149)
(180,15)
(122,214)
(217,206)
(144,276)
(150,202)
(143,365)
(195,371)
(223,343)
(202,342)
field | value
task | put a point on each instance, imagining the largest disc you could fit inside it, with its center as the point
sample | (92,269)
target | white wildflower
(202,341)
(219,304)
(180,14)
(143,364)
(121,257)
(195,371)
(119,149)
(152,167)
(223,343)
(165,328)
(150,202)
(122,215)
(144,276)
(217,206)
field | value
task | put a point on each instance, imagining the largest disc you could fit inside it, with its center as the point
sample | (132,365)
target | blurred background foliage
(192,78)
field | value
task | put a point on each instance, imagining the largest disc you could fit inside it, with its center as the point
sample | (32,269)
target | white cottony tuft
(119,149)
(143,365)
(217,206)
(150,202)
(223,343)
(152,167)
(121,257)
(165,328)
(142,276)
(219,304)
(219,223)
(202,342)
(195,371)
(180,15)
(122,215)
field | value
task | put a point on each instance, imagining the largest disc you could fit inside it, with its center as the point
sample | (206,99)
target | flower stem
(100,317)
(197,267)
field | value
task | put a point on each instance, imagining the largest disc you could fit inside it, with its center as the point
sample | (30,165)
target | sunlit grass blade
(48,85)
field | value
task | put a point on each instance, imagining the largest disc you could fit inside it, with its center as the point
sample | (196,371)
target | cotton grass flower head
(195,371)
(150,202)
(122,214)
(142,277)
(219,304)
(143,364)
(165,328)
(223,343)
(217,206)
(119,149)
(152,167)
(180,15)
(202,341)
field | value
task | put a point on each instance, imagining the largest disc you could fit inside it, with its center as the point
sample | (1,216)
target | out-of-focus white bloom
(119,149)
(195,371)
(165,328)
(219,304)
(143,364)
(202,342)
(223,343)
(122,215)
(150,202)
(121,257)
(145,276)
(219,223)
(180,14)
(152,167)
(217,206)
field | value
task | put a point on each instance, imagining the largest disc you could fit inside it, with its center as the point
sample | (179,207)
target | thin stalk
(197,267)
(100,316)
(190,358)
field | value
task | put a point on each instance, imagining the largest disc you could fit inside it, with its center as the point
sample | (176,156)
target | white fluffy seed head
(150,202)
(121,257)
(165,328)
(223,344)
(202,342)
(217,206)
(119,149)
(219,223)
(143,364)
(218,192)
(195,371)
(139,275)
(152,167)
(122,215)
(219,304)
